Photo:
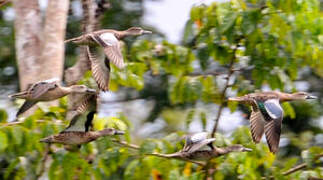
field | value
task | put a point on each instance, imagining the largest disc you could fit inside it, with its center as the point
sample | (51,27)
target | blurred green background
(175,84)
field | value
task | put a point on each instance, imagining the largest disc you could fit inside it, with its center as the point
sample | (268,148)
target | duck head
(110,131)
(82,89)
(136,31)
(48,139)
(238,148)
(302,96)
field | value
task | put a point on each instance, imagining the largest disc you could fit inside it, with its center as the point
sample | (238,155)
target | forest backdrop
(167,90)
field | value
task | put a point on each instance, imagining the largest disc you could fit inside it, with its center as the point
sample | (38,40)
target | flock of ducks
(266,115)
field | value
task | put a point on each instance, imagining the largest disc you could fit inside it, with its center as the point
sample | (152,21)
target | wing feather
(100,72)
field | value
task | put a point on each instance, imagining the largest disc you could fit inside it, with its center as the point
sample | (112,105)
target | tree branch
(300,166)
(223,94)
(21,122)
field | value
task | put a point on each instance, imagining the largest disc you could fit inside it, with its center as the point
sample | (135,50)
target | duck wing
(40,88)
(273,123)
(100,71)
(257,123)
(80,123)
(197,141)
(112,48)
(27,105)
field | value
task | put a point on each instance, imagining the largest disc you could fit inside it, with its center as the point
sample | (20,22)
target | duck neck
(283,97)
(120,34)
(221,151)
(104,132)
(66,90)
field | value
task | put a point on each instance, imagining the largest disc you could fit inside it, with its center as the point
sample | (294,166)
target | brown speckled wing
(112,48)
(272,131)
(100,71)
(41,88)
(257,124)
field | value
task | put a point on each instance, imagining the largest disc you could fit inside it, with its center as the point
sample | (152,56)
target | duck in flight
(199,147)
(109,40)
(267,114)
(78,132)
(47,90)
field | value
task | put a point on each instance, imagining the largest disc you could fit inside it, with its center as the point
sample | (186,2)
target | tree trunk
(53,45)
(40,51)
(28,40)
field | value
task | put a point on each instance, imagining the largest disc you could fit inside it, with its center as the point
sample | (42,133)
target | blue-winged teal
(46,91)
(78,132)
(267,114)
(199,147)
(109,40)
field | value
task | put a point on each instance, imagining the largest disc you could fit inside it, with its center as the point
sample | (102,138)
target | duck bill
(117,132)
(247,150)
(91,91)
(311,97)
(146,32)
(45,140)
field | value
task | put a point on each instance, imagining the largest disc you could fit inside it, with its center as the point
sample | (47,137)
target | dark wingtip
(311,97)
(118,132)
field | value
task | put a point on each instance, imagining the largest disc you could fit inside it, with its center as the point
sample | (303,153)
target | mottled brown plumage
(199,147)
(47,91)
(109,40)
(267,114)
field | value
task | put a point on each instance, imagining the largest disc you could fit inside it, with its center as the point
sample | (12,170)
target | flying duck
(267,114)
(199,147)
(46,91)
(78,132)
(109,40)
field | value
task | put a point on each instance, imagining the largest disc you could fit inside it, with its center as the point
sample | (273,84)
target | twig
(124,143)
(230,73)
(295,169)
(43,162)
(125,100)
(300,166)
(20,122)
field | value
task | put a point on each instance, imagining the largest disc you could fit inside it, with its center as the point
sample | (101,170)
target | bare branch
(300,166)
(223,95)
(21,122)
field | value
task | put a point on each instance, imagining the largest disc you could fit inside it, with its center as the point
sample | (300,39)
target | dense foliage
(231,48)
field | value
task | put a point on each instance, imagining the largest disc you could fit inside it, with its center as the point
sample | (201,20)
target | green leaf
(3,115)
(3,141)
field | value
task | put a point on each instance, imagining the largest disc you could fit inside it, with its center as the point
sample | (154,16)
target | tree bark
(76,72)
(52,59)
(39,49)
(28,40)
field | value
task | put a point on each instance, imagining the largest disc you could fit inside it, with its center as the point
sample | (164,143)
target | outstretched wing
(111,47)
(273,124)
(42,87)
(100,71)
(196,142)
(257,123)
(27,105)
(80,123)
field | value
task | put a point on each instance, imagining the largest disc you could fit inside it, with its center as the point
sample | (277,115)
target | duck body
(267,114)
(199,147)
(47,90)
(78,137)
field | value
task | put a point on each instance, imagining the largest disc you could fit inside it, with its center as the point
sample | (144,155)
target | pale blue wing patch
(273,108)
(109,39)
(197,141)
